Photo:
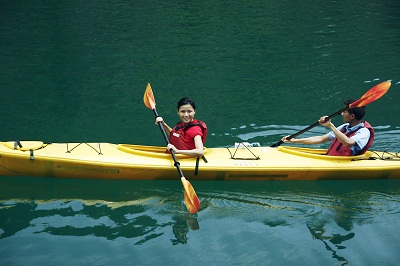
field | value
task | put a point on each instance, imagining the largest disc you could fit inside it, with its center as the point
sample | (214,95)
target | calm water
(77,70)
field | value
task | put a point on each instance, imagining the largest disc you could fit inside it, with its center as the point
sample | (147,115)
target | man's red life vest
(338,149)
(178,133)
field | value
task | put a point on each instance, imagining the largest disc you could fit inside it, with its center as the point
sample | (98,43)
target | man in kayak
(354,137)
(189,135)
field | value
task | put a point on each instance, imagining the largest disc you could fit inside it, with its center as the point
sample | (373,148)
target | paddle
(370,96)
(191,200)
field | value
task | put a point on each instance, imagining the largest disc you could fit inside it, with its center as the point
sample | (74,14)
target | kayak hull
(137,162)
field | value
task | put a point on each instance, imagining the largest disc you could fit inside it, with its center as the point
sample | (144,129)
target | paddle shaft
(176,163)
(310,127)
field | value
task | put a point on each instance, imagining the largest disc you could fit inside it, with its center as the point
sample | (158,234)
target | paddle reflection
(181,227)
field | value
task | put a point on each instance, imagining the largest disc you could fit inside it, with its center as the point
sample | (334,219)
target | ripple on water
(289,207)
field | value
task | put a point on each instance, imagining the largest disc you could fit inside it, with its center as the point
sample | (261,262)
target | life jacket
(180,130)
(179,142)
(338,149)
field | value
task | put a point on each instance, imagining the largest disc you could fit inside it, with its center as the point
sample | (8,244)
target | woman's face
(186,113)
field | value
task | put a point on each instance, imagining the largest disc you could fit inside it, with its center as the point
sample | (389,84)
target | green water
(76,71)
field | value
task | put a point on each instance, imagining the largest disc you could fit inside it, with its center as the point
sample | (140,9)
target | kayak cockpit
(321,154)
(152,151)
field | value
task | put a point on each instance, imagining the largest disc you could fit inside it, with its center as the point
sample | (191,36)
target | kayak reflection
(146,211)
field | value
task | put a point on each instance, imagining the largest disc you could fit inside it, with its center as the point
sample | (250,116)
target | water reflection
(335,239)
(146,212)
(73,208)
(99,219)
(181,227)
(330,210)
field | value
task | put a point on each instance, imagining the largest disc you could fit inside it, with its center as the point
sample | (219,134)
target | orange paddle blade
(148,97)
(373,94)
(191,200)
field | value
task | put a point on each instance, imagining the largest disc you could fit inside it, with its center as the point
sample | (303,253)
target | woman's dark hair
(358,112)
(186,100)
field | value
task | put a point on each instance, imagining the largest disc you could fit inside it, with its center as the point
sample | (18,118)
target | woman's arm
(166,127)
(198,151)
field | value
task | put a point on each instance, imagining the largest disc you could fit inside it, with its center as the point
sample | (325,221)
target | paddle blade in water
(372,95)
(191,200)
(148,97)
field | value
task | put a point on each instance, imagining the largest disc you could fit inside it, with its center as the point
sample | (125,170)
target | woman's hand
(172,147)
(159,119)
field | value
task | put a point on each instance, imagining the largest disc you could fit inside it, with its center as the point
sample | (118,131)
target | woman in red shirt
(189,135)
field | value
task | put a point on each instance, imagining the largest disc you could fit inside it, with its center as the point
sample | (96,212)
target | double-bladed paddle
(370,96)
(191,200)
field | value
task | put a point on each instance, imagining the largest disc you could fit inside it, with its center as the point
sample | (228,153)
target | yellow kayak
(137,162)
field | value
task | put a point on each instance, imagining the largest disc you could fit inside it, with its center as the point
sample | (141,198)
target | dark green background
(76,71)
